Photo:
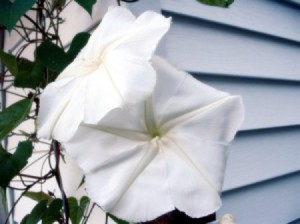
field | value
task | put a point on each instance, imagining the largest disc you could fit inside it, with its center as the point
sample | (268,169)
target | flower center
(155,134)
(152,127)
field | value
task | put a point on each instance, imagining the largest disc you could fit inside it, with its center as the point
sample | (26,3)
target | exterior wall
(251,49)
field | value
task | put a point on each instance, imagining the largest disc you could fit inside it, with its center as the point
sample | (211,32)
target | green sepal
(220,3)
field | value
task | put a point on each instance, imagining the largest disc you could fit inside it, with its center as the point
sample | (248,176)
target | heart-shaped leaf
(55,58)
(42,212)
(87,5)
(12,10)
(9,61)
(38,196)
(12,116)
(12,164)
(77,211)
(36,214)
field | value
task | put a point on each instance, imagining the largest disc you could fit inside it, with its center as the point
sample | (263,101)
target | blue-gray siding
(251,49)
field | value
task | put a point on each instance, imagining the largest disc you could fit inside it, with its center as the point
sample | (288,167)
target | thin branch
(34,23)
(24,30)
(66,5)
(106,218)
(35,161)
(56,148)
(47,176)
(20,34)
(16,94)
(89,214)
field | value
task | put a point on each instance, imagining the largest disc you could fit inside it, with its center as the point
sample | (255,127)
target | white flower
(164,153)
(227,219)
(112,70)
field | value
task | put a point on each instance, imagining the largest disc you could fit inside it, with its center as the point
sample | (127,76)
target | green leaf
(52,56)
(78,42)
(3,199)
(55,58)
(10,61)
(77,211)
(3,190)
(12,164)
(117,220)
(220,3)
(31,74)
(48,214)
(12,10)
(53,213)
(73,206)
(38,196)
(83,204)
(57,4)
(87,5)
(12,116)
(36,214)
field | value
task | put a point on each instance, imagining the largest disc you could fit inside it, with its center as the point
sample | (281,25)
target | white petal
(54,100)
(127,58)
(129,118)
(217,122)
(67,125)
(101,96)
(133,78)
(118,170)
(143,36)
(209,158)
(203,135)
(76,69)
(114,24)
(149,196)
(177,92)
(190,191)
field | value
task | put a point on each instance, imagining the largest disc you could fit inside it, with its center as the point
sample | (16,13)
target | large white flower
(112,70)
(164,153)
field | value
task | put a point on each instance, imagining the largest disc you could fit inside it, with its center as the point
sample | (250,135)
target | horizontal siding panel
(141,6)
(268,103)
(256,156)
(276,18)
(272,202)
(200,46)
